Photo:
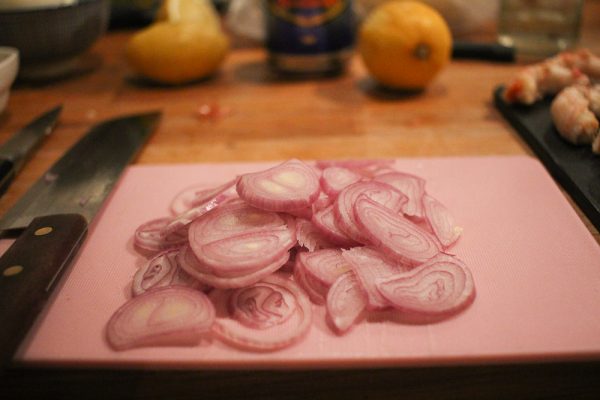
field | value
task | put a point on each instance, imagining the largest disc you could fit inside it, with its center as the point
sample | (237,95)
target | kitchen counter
(247,113)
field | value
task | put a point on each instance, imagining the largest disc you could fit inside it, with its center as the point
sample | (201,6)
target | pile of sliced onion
(350,236)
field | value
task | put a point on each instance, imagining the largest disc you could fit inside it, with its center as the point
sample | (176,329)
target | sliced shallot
(439,288)
(317,271)
(346,302)
(180,222)
(162,270)
(381,193)
(370,266)
(150,238)
(288,186)
(269,315)
(230,219)
(190,264)
(363,166)
(169,316)
(196,195)
(397,237)
(410,185)
(441,221)
(334,179)
(324,221)
(237,239)
(245,253)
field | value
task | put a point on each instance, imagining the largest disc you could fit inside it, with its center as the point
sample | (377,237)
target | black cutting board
(576,168)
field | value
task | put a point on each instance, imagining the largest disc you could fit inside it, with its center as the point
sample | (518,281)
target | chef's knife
(16,150)
(52,219)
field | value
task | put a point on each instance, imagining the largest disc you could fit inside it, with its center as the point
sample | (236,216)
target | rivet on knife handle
(28,271)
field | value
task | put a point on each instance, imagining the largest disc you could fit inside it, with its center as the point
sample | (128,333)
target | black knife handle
(29,270)
(7,174)
(483,51)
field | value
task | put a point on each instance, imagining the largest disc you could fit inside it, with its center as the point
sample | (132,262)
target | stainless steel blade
(81,180)
(21,144)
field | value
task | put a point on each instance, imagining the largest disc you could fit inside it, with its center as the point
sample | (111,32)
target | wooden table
(267,118)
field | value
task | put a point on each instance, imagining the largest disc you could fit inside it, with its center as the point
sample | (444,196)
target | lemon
(404,44)
(184,44)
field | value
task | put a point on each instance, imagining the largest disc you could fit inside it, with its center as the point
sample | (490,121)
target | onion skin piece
(441,221)
(346,302)
(291,185)
(169,316)
(398,238)
(437,289)
(310,237)
(282,332)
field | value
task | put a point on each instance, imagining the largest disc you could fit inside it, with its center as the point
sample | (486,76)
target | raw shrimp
(552,75)
(593,96)
(572,115)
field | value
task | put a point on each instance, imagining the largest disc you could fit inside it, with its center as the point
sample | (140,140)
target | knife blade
(17,150)
(52,218)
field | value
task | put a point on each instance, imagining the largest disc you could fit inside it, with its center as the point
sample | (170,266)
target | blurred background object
(9,65)
(540,28)
(309,38)
(136,13)
(132,13)
(184,43)
(25,4)
(51,37)
(464,17)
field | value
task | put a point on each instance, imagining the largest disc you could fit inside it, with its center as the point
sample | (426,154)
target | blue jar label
(309,26)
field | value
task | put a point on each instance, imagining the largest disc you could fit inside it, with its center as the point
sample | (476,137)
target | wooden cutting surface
(266,118)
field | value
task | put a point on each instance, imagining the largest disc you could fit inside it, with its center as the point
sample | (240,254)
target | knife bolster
(29,270)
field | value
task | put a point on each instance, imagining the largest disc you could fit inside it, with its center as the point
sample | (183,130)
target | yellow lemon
(186,43)
(404,44)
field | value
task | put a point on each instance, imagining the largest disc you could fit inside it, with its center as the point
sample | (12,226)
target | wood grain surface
(268,118)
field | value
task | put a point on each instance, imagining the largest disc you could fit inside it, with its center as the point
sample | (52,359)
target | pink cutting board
(536,268)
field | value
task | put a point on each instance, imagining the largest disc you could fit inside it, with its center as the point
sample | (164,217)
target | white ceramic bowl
(9,66)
